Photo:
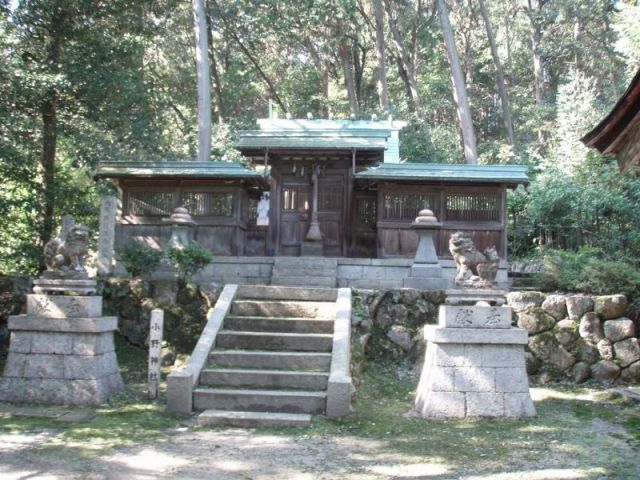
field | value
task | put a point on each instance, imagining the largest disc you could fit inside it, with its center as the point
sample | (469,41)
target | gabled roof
(436,172)
(173,169)
(608,136)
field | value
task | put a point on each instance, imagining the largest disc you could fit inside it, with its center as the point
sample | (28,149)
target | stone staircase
(305,271)
(272,358)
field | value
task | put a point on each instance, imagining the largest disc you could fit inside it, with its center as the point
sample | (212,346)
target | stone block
(474,379)
(631,374)
(441,404)
(426,270)
(64,306)
(581,372)
(591,327)
(610,306)
(20,342)
(58,343)
(627,351)
(454,316)
(578,305)
(75,325)
(605,370)
(427,283)
(566,332)
(515,336)
(92,344)
(616,330)
(452,355)
(15,365)
(518,405)
(349,272)
(485,404)
(521,301)
(535,320)
(556,306)
(180,391)
(44,366)
(605,349)
(441,379)
(512,380)
(474,355)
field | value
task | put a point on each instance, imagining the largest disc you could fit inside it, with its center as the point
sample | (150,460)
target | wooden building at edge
(346,172)
(618,134)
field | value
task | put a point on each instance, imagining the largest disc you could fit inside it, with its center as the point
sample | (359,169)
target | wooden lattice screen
(472,207)
(208,204)
(406,206)
(149,204)
(366,211)
(296,198)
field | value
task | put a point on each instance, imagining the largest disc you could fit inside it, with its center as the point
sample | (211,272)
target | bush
(139,258)
(188,260)
(587,271)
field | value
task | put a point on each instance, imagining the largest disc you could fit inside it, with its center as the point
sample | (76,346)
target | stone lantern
(181,226)
(426,271)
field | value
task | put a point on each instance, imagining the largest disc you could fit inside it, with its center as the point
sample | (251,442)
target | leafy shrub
(588,271)
(139,258)
(189,260)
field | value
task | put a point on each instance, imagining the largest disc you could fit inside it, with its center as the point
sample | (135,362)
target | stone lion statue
(66,253)
(475,269)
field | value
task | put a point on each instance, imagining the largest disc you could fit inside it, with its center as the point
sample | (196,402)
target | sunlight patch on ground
(546,474)
(149,460)
(23,474)
(412,470)
(17,441)
(538,394)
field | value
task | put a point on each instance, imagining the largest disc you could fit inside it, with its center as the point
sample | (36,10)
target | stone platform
(474,365)
(61,352)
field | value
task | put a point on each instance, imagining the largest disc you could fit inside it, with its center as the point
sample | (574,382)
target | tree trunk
(218,107)
(347,68)
(500,82)
(536,39)
(48,162)
(459,88)
(380,50)
(204,91)
(409,74)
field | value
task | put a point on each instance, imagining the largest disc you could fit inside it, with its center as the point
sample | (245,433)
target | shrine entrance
(294,205)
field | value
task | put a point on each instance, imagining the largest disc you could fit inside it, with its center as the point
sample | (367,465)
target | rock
(627,351)
(436,297)
(566,332)
(535,320)
(610,306)
(374,303)
(586,351)
(400,336)
(605,349)
(556,306)
(532,362)
(422,313)
(520,301)
(581,372)
(631,374)
(167,356)
(545,346)
(616,330)
(605,371)
(210,291)
(165,292)
(409,296)
(578,305)
(591,327)
(390,314)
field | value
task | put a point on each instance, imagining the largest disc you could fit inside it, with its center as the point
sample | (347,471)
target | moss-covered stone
(535,320)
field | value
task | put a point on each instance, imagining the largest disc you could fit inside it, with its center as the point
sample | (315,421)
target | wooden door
(295,210)
(331,192)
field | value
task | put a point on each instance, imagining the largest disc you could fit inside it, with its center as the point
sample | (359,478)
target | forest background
(83,81)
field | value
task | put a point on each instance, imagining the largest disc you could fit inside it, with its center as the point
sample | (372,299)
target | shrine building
(323,188)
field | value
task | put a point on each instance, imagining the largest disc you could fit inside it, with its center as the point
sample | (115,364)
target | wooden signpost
(155,345)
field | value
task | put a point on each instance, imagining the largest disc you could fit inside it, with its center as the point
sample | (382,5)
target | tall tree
(459,88)
(501,84)
(380,51)
(204,89)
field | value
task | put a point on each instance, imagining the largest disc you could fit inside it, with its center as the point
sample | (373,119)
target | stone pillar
(62,350)
(474,365)
(426,271)
(108,208)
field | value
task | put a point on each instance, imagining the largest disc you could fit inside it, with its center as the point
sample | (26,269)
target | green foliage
(587,271)
(188,260)
(139,258)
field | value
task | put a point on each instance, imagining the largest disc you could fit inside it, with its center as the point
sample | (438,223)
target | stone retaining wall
(13,299)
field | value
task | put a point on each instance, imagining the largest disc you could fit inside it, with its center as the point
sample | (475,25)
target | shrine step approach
(270,355)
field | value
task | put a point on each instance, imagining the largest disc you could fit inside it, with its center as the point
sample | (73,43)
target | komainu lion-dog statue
(474,269)
(66,253)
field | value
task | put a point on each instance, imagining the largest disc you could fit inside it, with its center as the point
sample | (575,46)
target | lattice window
(366,211)
(149,204)
(329,198)
(296,198)
(406,206)
(473,207)
(208,204)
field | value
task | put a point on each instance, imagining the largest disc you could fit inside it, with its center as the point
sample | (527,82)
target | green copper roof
(512,174)
(174,169)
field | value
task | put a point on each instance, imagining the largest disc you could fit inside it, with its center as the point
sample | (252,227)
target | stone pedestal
(474,365)
(426,271)
(61,352)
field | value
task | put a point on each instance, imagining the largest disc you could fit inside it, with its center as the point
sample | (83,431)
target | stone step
(268,308)
(247,419)
(302,271)
(285,401)
(306,342)
(279,324)
(305,262)
(307,280)
(264,379)
(265,292)
(271,360)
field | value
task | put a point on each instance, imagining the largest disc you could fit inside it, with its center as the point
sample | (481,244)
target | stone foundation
(60,355)
(474,365)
